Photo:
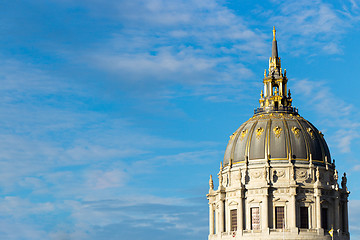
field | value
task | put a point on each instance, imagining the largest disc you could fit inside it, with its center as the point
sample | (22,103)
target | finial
(211,182)
(265,73)
(221,166)
(336,176)
(344,181)
(317,174)
(262,94)
(289,94)
(274,33)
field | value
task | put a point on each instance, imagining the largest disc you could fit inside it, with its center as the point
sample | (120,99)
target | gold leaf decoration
(311,132)
(232,136)
(277,131)
(296,131)
(259,131)
(243,134)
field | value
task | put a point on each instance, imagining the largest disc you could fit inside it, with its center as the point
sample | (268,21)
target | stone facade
(262,196)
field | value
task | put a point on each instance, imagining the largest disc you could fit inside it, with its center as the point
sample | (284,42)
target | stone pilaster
(318,207)
(292,209)
(221,216)
(211,219)
(265,211)
(336,211)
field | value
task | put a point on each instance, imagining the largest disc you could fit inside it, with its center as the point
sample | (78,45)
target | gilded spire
(274,49)
(274,34)
(275,97)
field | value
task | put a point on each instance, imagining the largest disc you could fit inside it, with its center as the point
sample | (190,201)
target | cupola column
(221,219)
(292,209)
(240,216)
(318,208)
(336,209)
(265,211)
(211,219)
(346,217)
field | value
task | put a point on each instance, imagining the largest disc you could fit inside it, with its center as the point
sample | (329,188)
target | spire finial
(274,34)
(211,183)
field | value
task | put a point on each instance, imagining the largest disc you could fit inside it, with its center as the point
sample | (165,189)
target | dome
(277,136)
(276,131)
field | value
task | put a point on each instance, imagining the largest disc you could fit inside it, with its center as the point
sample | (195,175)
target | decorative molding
(301,174)
(256,174)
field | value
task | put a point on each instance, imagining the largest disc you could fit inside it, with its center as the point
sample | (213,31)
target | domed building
(277,180)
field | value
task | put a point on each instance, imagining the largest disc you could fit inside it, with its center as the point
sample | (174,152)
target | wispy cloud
(312,25)
(341,120)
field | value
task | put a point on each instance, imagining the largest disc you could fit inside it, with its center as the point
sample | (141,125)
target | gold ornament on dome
(259,131)
(232,136)
(243,134)
(311,132)
(296,131)
(277,131)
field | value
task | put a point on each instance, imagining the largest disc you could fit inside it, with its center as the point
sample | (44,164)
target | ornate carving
(277,131)
(243,134)
(281,173)
(296,131)
(259,131)
(301,174)
(311,132)
(256,174)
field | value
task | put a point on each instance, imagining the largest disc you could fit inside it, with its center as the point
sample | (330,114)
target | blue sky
(113,114)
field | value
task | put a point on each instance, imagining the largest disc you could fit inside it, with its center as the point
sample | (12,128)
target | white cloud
(342,121)
(319,24)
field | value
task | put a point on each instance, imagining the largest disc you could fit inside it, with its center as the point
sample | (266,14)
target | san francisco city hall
(277,179)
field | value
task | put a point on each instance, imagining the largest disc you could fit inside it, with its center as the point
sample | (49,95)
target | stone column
(240,213)
(336,209)
(211,219)
(221,219)
(318,208)
(346,215)
(217,219)
(265,211)
(292,209)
